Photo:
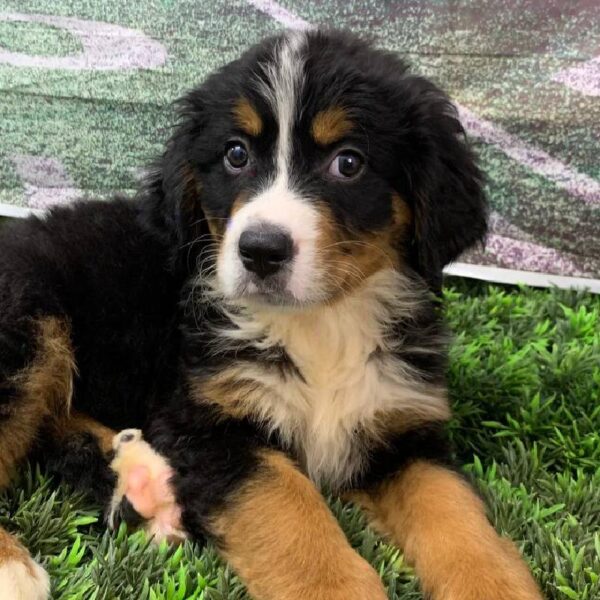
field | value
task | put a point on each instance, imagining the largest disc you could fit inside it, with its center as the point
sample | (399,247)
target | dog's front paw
(502,575)
(143,495)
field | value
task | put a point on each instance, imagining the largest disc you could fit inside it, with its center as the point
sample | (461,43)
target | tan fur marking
(395,422)
(238,203)
(402,213)
(330,125)
(20,577)
(50,377)
(247,117)
(352,260)
(78,422)
(441,524)
(46,388)
(285,544)
(235,395)
(217,226)
(190,203)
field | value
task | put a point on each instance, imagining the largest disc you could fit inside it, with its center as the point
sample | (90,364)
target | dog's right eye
(236,156)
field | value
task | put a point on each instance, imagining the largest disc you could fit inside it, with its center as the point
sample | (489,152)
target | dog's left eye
(346,165)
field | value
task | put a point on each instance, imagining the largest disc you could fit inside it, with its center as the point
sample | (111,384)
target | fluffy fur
(314,357)
(346,377)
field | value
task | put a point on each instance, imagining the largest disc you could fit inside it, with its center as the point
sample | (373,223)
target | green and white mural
(86,87)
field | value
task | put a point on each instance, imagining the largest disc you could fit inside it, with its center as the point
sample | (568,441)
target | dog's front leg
(268,519)
(440,523)
(280,536)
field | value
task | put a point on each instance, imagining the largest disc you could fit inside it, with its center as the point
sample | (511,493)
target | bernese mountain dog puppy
(265,311)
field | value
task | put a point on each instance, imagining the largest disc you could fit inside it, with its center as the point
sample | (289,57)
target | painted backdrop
(86,86)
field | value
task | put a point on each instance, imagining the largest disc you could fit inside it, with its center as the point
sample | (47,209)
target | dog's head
(315,161)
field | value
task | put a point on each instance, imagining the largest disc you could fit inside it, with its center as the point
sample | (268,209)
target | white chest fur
(350,376)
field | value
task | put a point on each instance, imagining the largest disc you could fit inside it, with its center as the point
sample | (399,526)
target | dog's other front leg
(440,523)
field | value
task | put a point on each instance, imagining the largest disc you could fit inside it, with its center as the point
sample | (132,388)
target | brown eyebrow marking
(247,117)
(331,125)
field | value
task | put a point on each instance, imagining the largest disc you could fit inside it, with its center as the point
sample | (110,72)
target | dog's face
(316,161)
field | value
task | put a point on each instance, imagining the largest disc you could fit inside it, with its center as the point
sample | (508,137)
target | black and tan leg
(36,413)
(39,391)
(440,523)
(77,450)
(269,521)
(280,536)
(30,396)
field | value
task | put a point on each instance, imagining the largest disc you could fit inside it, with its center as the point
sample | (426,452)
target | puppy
(265,310)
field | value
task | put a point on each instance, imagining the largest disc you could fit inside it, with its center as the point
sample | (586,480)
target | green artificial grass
(525,385)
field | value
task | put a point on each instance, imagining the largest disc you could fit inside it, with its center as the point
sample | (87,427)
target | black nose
(265,249)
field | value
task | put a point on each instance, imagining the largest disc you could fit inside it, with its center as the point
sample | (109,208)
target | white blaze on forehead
(282,89)
(277,203)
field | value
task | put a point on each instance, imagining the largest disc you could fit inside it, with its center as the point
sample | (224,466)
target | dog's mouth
(282,289)
(271,291)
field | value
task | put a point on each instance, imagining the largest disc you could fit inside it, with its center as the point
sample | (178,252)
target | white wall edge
(8,210)
(512,276)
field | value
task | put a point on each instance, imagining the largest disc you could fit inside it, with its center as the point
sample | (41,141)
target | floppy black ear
(446,185)
(172,187)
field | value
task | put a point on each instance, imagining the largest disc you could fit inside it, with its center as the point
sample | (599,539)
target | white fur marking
(282,88)
(278,205)
(18,583)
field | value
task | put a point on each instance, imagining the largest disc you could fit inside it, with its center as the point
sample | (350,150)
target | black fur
(429,442)
(126,513)
(98,265)
(79,460)
(124,273)
(415,142)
